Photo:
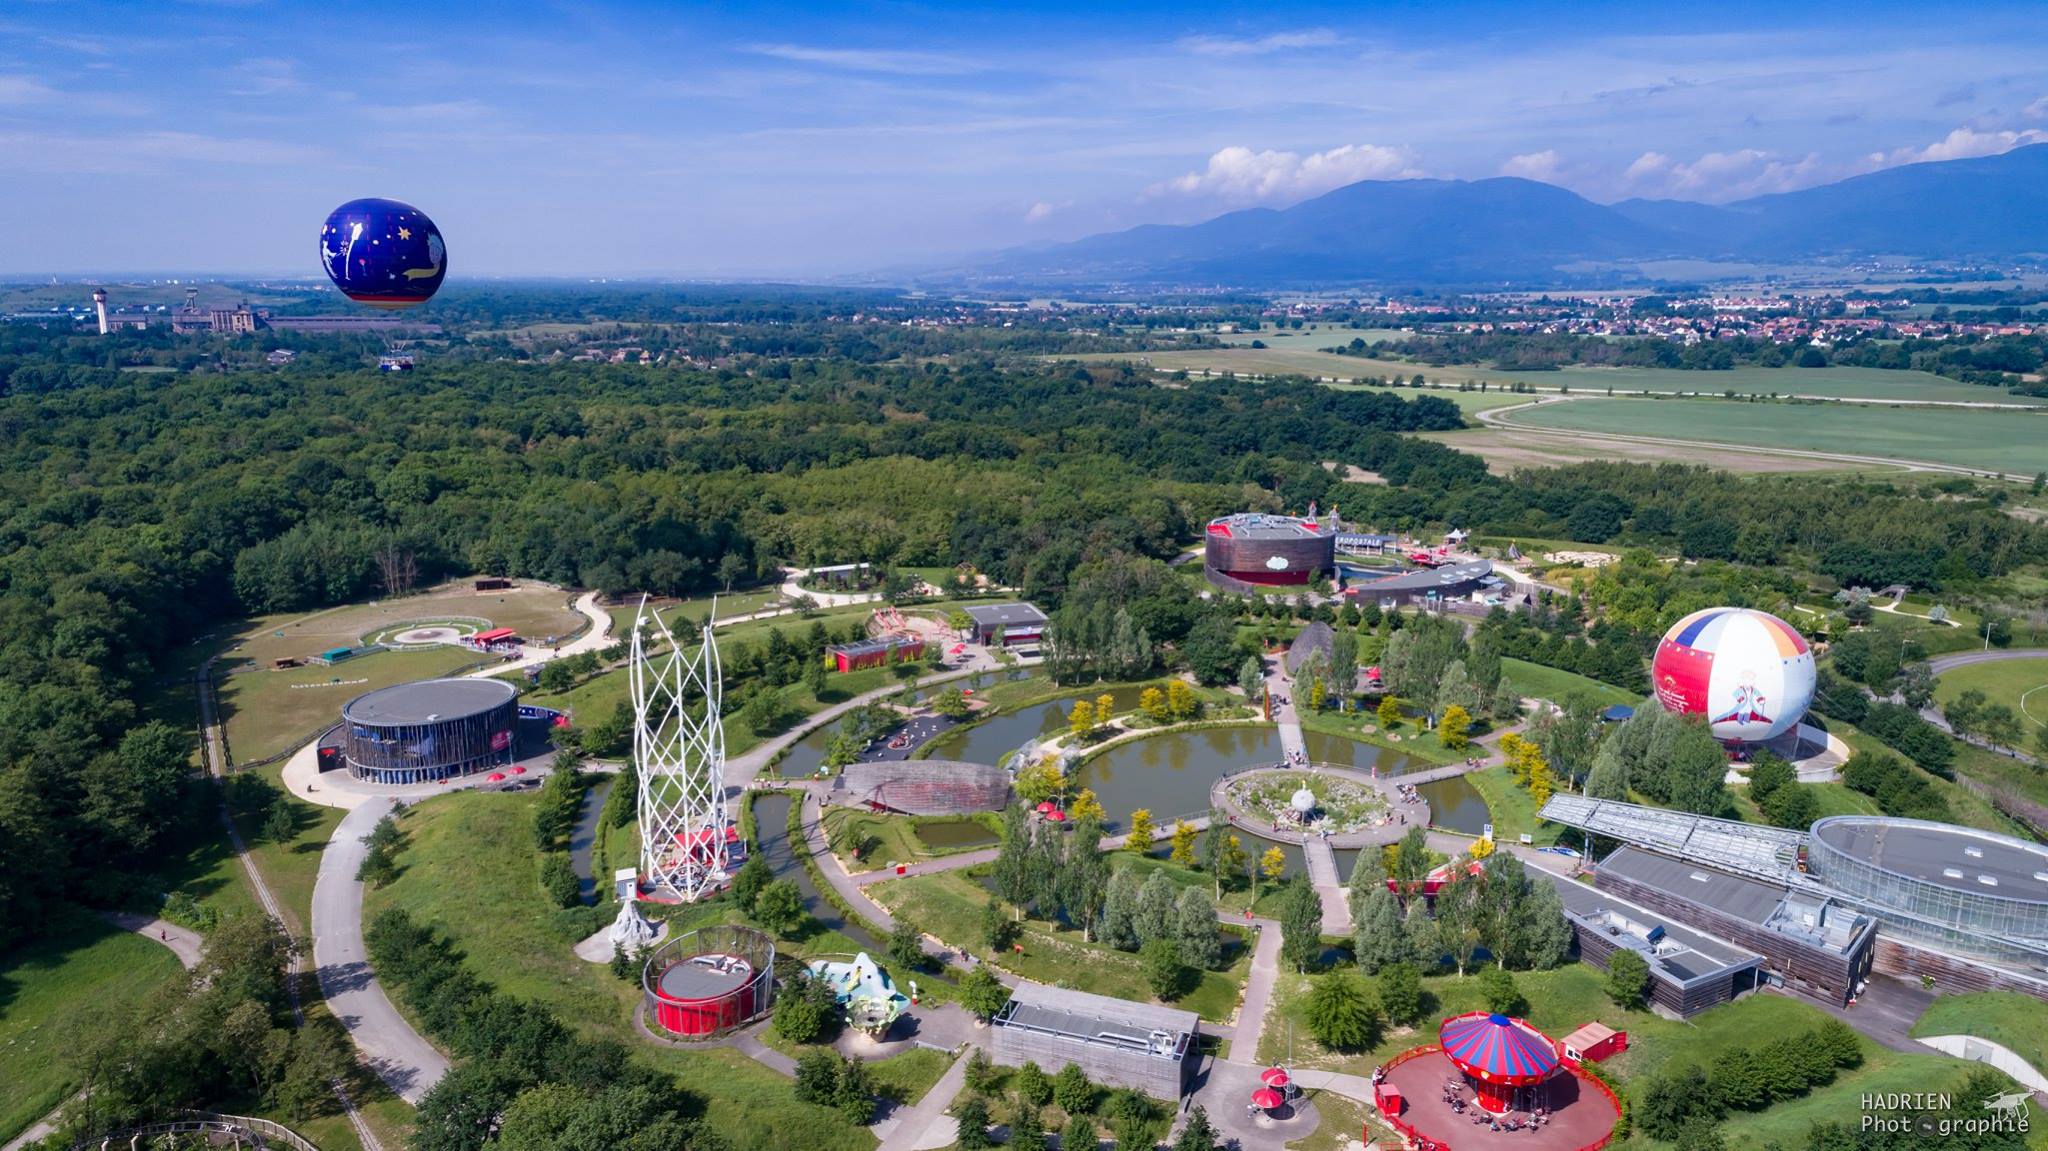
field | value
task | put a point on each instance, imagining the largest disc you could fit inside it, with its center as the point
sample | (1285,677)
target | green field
(948,904)
(1539,682)
(469,869)
(54,991)
(2006,441)
(1296,355)
(267,712)
(2020,684)
(2017,1022)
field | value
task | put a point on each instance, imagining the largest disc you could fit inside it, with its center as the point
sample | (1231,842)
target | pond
(951,834)
(807,755)
(990,741)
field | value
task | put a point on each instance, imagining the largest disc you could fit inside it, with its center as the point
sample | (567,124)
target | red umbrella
(1056,816)
(495,777)
(1265,1098)
(1274,1077)
(1046,807)
(518,771)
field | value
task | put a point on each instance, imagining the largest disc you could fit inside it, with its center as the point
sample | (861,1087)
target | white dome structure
(1303,802)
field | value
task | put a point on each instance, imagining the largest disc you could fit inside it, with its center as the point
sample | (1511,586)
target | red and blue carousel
(1493,1080)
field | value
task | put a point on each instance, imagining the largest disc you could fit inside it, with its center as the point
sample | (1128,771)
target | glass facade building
(1957,887)
(431,730)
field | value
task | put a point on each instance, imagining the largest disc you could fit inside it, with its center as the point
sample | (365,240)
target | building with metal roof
(1115,1041)
(1017,623)
(1690,970)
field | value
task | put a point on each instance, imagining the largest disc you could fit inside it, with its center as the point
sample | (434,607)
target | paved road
(400,1056)
(184,942)
(1942,663)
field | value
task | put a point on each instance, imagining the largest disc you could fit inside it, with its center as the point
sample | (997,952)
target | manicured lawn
(290,866)
(1883,1071)
(469,869)
(56,990)
(1511,808)
(2019,1022)
(1533,679)
(2020,684)
(265,712)
(1409,739)
(908,1076)
(948,905)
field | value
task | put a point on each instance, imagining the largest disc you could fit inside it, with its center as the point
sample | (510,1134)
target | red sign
(501,740)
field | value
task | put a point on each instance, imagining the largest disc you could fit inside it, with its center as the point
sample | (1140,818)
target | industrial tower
(679,753)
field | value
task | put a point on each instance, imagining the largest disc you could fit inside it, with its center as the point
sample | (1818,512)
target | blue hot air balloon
(383,253)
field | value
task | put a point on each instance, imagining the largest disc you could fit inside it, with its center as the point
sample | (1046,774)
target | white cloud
(1261,45)
(1039,211)
(1533,166)
(1719,176)
(2037,110)
(1961,144)
(146,152)
(264,76)
(413,113)
(870,59)
(1239,175)
(23,90)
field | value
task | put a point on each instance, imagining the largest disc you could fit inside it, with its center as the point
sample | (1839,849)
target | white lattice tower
(679,753)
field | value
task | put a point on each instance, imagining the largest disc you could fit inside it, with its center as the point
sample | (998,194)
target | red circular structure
(1262,550)
(1056,816)
(1497,1054)
(1274,1077)
(1266,1099)
(709,981)
(1437,1099)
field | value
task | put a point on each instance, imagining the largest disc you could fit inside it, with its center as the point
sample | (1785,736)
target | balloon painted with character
(383,253)
(1749,674)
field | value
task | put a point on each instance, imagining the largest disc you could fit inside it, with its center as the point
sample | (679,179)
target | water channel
(771,828)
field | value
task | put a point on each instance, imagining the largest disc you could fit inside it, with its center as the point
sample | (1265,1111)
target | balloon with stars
(383,254)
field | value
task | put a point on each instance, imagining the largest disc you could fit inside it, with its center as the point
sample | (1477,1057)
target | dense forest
(143,510)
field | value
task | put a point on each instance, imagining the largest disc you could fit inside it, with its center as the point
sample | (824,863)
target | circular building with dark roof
(1252,551)
(1945,884)
(430,730)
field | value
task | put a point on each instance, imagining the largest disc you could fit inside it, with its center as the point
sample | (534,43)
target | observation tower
(686,841)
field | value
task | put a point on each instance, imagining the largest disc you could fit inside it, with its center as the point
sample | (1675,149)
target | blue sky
(803,139)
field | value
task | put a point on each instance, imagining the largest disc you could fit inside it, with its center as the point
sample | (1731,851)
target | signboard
(500,740)
(1486,832)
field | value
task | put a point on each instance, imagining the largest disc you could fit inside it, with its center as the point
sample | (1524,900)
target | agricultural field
(1990,440)
(1507,450)
(2020,684)
(1311,337)
(534,610)
(51,993)
(267,712)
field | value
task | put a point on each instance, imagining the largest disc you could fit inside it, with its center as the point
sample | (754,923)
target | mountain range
(1523,232)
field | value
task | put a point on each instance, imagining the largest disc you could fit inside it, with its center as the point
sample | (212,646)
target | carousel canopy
(1497,1048)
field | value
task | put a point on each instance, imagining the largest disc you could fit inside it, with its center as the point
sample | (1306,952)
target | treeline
(523,1081)
(1677,1104)
(1994,361)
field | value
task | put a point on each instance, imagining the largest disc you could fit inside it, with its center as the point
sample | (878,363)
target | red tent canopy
(495,777)
(518,771)
(1274,1077)
(1046,807)
(1056,816)
(1266,1098)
